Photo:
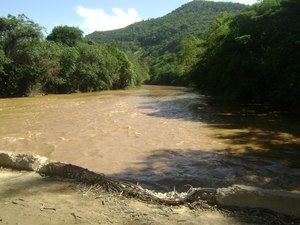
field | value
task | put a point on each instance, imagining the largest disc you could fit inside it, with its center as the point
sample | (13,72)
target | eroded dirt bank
(235,196)
(27,198)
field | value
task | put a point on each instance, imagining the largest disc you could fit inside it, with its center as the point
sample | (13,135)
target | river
(160,137)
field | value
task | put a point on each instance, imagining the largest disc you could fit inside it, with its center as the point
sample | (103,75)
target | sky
(92,15)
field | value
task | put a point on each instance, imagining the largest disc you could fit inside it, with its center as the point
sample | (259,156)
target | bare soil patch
(27,198)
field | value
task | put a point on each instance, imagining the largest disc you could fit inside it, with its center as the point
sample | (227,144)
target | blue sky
(91,15)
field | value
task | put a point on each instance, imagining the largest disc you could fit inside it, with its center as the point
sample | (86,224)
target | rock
(22,161)
(252,197)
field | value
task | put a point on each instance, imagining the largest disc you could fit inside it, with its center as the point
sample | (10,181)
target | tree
(30,64)
(17,30)
(66,35)
(254,56)
(17,35)
(158,42)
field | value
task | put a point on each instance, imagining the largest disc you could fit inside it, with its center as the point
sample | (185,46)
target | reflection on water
(158,136)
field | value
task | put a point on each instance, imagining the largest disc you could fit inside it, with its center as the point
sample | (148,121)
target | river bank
(27,198)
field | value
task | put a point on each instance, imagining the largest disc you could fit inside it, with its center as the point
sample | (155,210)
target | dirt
(27,198)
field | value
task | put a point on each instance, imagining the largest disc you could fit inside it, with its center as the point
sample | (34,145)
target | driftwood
(128,189)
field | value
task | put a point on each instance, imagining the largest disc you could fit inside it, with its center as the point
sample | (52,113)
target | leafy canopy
(254,56)
(66,35)
(29,64)
(158,42)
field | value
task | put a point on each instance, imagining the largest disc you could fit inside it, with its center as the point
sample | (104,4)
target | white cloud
(98,20)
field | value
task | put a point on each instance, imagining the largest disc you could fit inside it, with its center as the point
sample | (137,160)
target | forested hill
(191,18)
(162,39)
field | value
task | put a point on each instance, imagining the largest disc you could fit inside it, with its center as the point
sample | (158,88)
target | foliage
(248,56)
(173,68)
(16,35)
(157,42)
(66,35)
(17,30)
(254,56)
(64,65)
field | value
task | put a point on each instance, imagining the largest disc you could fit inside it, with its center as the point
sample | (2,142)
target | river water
(160,137)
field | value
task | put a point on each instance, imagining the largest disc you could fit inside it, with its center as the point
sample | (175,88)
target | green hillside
(166,44)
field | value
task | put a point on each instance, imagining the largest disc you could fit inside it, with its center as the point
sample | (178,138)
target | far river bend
(161,137)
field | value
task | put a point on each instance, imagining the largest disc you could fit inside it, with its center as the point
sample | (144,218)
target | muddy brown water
(161,137)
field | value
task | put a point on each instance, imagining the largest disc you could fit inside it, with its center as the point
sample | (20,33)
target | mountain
(162,42)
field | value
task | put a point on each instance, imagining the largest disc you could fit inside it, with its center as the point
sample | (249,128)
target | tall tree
(254,56)
(66,35)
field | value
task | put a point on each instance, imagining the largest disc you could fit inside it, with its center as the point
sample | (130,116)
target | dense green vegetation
(63,63)
(168,45)
(254,57)
(246,54)
(66,35)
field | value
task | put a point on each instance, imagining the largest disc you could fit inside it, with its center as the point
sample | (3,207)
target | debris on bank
(238,195)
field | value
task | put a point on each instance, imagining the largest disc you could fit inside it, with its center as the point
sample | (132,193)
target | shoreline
(235,196)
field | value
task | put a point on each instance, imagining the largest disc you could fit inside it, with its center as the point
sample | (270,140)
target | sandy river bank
(27,198)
